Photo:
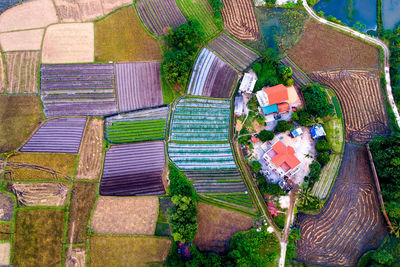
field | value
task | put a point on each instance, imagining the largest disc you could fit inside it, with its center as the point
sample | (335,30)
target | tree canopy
(317,102)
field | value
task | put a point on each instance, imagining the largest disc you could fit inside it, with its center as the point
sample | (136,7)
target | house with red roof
(277,99)
(282,159)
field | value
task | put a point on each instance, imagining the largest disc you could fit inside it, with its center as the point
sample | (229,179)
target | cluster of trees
(217,5)
(317,101)
(393,37)
(313,176)
(265,135)
(181,46)
(268,188)
(283,126)
(323,148)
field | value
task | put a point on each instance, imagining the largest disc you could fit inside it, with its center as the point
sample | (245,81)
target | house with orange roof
(282,159)
(277,99)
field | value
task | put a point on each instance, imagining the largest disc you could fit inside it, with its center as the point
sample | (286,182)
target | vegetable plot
(202,120)
(61,135)
(159,15)
(143,125)
(133,169)
(78,89)
(233,52)
(211,76)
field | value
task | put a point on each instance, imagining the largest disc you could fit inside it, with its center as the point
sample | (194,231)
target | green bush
(303,117)
(284,126)
(244,140)
(317,103)
(179,184)
(256,166)
(268,188)
(322,145)
(315,171)
(265,135)
(280,220)
(323,157)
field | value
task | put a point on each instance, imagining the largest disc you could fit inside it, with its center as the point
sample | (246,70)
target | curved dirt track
(350,223)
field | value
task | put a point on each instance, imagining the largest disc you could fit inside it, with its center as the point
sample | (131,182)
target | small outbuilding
(248,82)
(296,132)
(239,105)
(317,131)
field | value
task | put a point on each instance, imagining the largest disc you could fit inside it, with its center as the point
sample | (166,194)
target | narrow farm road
(369,39)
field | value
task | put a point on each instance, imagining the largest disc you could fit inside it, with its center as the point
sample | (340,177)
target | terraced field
(217,181)
(159,15)
(22,70)
(362,101)
(142,125)
(350,223)
(197,119)
(233,52)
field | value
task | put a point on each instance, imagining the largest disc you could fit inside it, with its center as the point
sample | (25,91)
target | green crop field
(334,134)
(327,177)
(133,131)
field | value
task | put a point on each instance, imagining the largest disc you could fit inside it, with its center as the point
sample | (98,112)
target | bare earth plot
(22,68)
(322,48)
(240,20)
(21,40)
(75,257)
(5,249)
(128,215)
(360,96)
(119,250)
(91,151)
(217,226)
(29,15)
(40,194)
(6,207)
(138,85)
(69,43)
(350,222)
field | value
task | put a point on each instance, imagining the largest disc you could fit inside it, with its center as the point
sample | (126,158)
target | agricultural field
(362,101)
(201,11)
(127,215)
(212,76)
(196,119)
(318,50)
(6,207)
(121,37)
(68,43)
(142,125)
(5,252)
(20,115)
(21,40)
(85,10)
(40,194)
(119,250)
(78,89)
(159,15)
(5,231)
(91,151)
(131,79)
(2,74)
(38,237)
(143,165)
(327,177)
(40,166)
(339,235)
(83,197)
(334,133)
(240,20)
(22,68)
(29,15)
(7,4)
(217,226)
(233,52)
(75,257)
(60,135)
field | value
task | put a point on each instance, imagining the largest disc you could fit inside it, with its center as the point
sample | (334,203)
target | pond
(391,14)
(350,12)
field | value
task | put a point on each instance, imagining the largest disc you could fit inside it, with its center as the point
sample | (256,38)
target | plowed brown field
(75,257)
(22,72)
(40,194)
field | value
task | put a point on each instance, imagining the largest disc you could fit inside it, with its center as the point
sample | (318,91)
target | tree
(183,219)
(322,145)
(303,117)
(265,135)
(244,140)
(317,102)
(179,184)
(382,257)
(256,166)
(260,119)
(284,126)
(313,175)
(323,157)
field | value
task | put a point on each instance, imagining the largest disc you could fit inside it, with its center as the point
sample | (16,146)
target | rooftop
(284,157)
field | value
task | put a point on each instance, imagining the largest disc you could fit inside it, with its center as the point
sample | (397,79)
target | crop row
(241,199)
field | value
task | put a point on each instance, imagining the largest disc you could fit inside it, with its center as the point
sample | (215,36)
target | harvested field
(142,125)
(60,135)
(75,257)
(121,37)
(38,237)
(159,15)
(22,70)
(83,196)
(233,52)
(201,11)
(40,194)
(21,40)
(2,75)
(138,85)
(78,89)
(350,222)
(240,20)
(318,50)
(362,102)
(5,249)
(68,43)
(128,215)
(29,15)
(119,250)
(212,76)
(110,5)
(5,231)
(91,151)
(217,226)
(6,207)
(19,117)
(299,77)
(40,166)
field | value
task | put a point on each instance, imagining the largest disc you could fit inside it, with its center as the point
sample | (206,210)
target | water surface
(391,13)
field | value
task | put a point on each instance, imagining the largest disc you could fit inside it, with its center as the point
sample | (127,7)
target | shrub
(256,166)
(303,117)
(322,145)
(244,140)
(317,102)
(315,171)
(280,220)
(323,157)
(284,126)
(268,188)
(265,135)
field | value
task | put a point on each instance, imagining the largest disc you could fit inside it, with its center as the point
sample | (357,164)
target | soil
(5,231)
(217,226)
(22,40)
(91,151)
(69,43)
(128,215)
(75,257)
(40,194)
(6,207)
(5,249)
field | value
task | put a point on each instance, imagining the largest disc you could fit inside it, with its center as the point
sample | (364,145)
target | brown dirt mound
(40,194)
(75,257)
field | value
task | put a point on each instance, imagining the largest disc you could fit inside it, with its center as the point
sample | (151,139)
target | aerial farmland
(195,133)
